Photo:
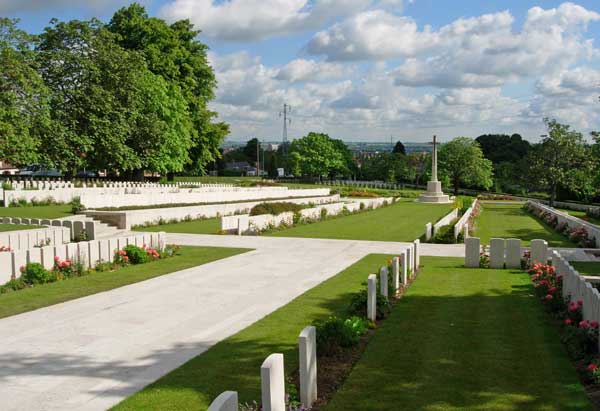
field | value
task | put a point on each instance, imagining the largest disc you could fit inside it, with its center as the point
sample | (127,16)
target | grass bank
(16,227)
(464,339)
(403,221)
(512,221)
(48,211)
(48,294)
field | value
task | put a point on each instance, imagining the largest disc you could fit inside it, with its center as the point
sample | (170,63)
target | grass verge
(48,211)
(403,221)
(464,339)
(17,227)
(511,221)
(234,363)
(206,226)
(586,267)
(48,294)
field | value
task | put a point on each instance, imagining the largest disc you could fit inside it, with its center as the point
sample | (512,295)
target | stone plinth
(434,194)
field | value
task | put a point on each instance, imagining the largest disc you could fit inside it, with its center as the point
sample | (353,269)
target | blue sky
(370,69)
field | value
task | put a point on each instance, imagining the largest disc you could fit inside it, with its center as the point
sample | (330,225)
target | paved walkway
(90,353)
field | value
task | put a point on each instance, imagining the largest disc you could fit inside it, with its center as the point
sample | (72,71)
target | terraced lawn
(208,226)
(16,227)
(402,221)
(464,339)
(51,211)
(587,267)
(581,214)
(511,221)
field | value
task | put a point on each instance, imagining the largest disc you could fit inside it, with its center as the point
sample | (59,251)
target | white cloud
(304,70)
(252,20)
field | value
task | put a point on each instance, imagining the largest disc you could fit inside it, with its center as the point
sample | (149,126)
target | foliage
(461,161)
(76,205)
(335,333)
(389,167)
(275,208)
(315,155)
(135,254)
(35,273)
(445,234)
(358,305)
(562,159)
(399,148)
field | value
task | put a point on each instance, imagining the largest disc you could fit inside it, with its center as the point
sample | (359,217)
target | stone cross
(434,160)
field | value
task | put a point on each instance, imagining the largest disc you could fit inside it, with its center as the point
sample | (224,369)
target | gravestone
(307,344)
(539,252)
(472,252)
(409,261)
(513,253)
(226,401)
(404,267)
(417,257)
(273,383)
(383,281)
(428,230)
(372,297)
(396,272)
(497,253)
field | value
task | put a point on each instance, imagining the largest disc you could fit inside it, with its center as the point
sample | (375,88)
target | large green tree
(461,161)
(174,52)
(112,113)
(561,159)
(24,115)
(315,155)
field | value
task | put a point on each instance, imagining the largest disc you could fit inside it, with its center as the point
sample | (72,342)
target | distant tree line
(128,96)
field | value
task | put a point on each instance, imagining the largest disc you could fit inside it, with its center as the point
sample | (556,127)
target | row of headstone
(504,252)
(52,185)
(576,288)
(272,377)
(76,227)
(89,253)
(24,239)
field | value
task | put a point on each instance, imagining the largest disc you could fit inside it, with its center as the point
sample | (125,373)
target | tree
(399,148)
(250,149)
(174,53)
(461,161)
(418,165)
(499,148)
(388,167)
(24,114)
(561,159)
(315,155)
(349,167)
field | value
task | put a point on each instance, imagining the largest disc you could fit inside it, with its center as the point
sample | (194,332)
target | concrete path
(90,353)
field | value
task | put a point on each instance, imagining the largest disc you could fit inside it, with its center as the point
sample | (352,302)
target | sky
(371,70)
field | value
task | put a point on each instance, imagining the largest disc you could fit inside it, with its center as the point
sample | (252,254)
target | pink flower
(549,297)
(568,321)
(584,324)
(593,324)
(592,367)
(22,268)
(56,258)
(580,302)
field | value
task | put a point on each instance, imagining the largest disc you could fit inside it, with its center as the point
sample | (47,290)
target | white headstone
(497,253)
(417,254)
(273,383)
(226,401)
(409,261)
(307,344)
(539,252)
(472,252)
(396,272)
(47,254)
(383,281)
(513,253)
(404,267)
(428,231)
(372,297)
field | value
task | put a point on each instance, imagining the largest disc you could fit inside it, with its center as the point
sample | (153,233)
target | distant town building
(7,169)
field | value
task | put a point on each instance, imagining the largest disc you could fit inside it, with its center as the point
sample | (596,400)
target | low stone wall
(88,253)
(73,227)
(98,197)
(25,239)
(572,222)
(447,219)
(460,224)
(129,218)
(244,224)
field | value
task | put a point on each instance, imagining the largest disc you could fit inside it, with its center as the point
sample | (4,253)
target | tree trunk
(552,195)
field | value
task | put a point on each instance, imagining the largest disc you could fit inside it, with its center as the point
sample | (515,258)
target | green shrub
(35,273)
(136,254)
(13,285)
(275,208)
(7,186)
(76,206)
(358,305)
(445,234)
(334,334)
(323,213)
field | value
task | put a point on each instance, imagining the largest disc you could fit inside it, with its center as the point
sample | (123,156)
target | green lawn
(54,293)
(464,339)
(581,214)
(586,267)
(16,227)
(511,221)
(51,211)
(402,221)
(234,363)
(208,226)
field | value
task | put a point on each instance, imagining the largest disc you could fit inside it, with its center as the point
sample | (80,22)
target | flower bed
(579,235)
(579,337)
(34,274)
